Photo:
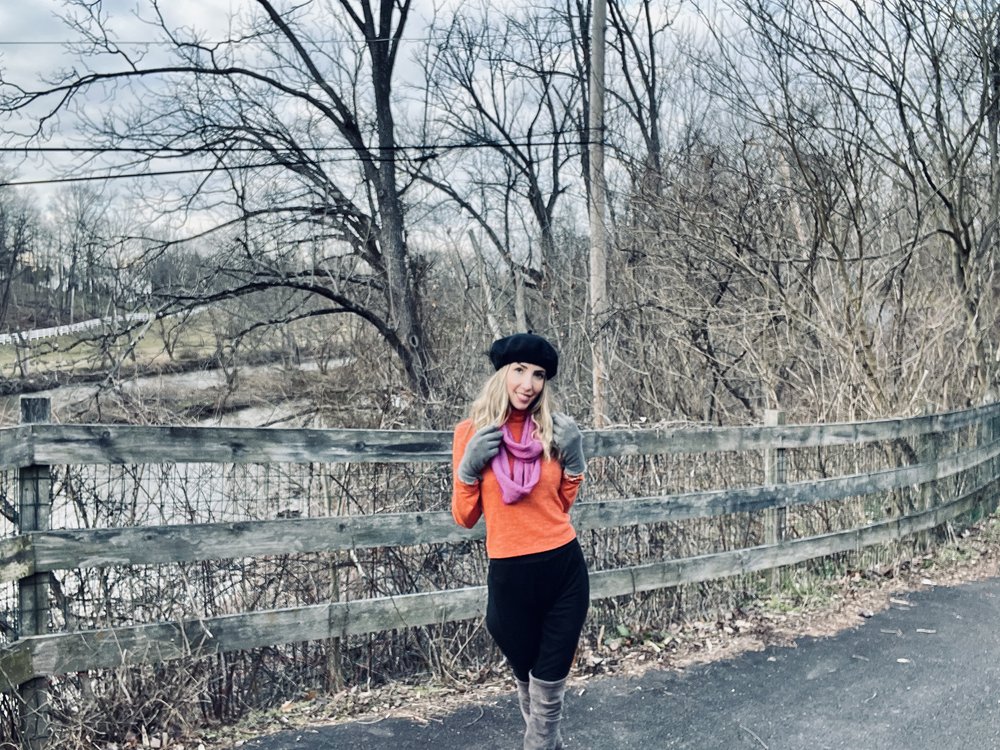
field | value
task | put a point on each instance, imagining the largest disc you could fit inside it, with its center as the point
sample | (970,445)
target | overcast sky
(31,49)
(31,38)
(31,29)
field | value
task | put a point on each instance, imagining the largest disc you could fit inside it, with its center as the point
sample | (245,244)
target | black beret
(525,347)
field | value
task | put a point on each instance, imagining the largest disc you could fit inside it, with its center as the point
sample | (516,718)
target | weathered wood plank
(670,508)
(669,573)
(108,444)
(120,444)
(159,642)
(15,666)
(696,439)
(151,545)
(15,447)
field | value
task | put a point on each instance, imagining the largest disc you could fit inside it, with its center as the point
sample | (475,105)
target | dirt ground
(835,605)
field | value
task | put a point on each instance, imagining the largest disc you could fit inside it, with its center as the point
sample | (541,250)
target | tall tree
(78,214)
(908,88)
(503,105)
(19,229)
(288,124)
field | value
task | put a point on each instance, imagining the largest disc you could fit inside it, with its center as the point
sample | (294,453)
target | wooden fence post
(775,519)
(34,507)
(989,433)
(929,452)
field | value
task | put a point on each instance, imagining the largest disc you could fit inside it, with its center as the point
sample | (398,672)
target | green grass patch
(88,350)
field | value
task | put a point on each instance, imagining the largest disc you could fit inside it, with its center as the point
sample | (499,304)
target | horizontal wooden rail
(154,545)
(127,444)
(63,653)
(709,567)
(158,642)
(687,439)
(707,504)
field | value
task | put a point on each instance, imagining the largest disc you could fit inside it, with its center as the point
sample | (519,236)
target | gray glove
(567,437)
(481,449)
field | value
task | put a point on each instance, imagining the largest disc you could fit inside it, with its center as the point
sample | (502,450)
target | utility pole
(598,228)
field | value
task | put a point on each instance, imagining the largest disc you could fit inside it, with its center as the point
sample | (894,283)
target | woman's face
(524,382)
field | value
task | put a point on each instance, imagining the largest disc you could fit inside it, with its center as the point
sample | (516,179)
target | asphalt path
(920,675)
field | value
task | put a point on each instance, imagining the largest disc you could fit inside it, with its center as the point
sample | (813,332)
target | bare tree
(639,87)
(502,92)
(289,126)
(78,216)
(908,91)
(19,229)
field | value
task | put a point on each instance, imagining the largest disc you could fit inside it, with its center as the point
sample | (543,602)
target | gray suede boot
(523,699)
(545,714)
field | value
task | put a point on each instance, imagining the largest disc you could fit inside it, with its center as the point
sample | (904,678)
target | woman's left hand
(569,440)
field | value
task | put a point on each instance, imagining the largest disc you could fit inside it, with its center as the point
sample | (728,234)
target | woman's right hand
(479,451)
(569,440)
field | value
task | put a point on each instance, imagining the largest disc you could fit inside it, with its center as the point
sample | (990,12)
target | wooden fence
(946,463)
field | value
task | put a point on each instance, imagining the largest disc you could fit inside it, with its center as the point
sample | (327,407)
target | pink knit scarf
(517,482)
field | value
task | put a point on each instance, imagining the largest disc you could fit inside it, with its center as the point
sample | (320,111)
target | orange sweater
(538,522)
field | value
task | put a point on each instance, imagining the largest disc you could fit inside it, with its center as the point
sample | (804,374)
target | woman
(520,465)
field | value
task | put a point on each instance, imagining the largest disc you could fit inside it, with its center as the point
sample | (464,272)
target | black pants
(536,608)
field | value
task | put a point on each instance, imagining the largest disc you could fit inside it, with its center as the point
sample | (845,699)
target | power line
(99,178)
(549,139)
(426,151)
(214,44)
(154,150)
(430,152)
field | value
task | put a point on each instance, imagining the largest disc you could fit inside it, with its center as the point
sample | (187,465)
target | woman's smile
(524,382)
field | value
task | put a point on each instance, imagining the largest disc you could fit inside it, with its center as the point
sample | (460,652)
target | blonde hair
(492,406)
